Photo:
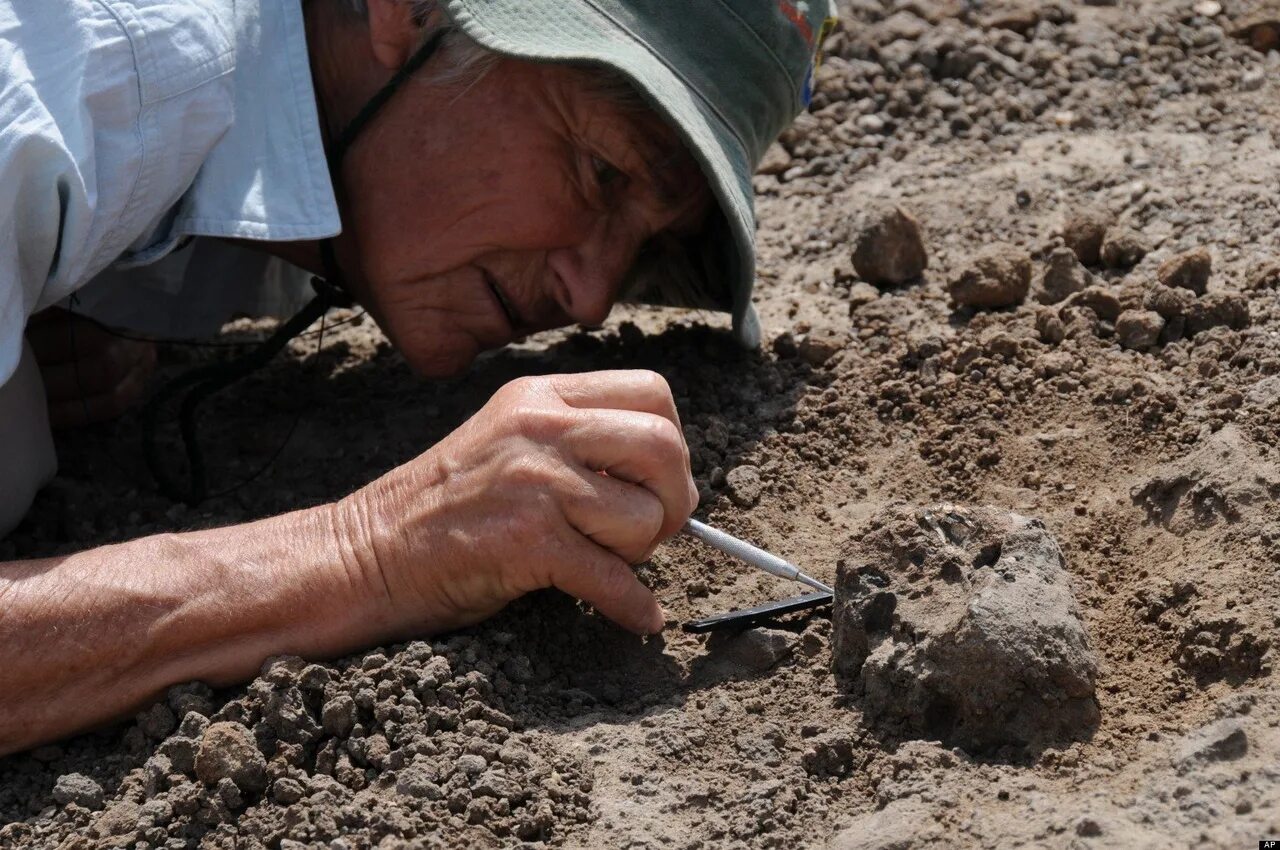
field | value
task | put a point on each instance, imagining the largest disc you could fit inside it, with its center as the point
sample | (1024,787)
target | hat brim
(577,31)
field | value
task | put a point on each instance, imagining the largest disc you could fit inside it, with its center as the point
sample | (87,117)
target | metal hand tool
(753,555)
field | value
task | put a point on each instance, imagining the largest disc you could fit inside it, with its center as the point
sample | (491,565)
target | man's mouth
(508,309)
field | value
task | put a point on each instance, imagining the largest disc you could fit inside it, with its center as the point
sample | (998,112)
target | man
(472,171)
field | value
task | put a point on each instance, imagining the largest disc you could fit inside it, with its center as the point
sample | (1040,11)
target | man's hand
(89,374)
(561,481)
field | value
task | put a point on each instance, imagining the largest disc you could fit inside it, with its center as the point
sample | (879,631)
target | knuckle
(539,422)
(654,384)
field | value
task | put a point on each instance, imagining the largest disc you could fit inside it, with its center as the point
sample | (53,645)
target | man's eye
(606,173)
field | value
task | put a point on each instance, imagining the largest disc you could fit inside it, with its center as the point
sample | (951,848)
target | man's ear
(393,33)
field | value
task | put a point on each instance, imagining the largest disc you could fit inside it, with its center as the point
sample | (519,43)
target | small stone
(1139,330)
(890,249)
(338,715)
(1169,303)
(287,791)
(228,751)
(1099,299)
(821,344)
(1123,249)
(1253,79)
(776,160)
(1088,828)
(120,818)
(1222,740)
(1063,277)
(998,277)
(1083,233)
(1050,327)
(862,293)
(416,782)
(1216,309)
(744,485)
(470,765)
(79,789)
(157,721)
(1189,270)
(760,649)
(1208,8)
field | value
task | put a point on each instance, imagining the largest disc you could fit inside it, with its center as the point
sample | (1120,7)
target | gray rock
(744,485)
(759,649)
(228,751)
(1063,277)
(157,721)
(890,249)
(998,277)
(79,789)
(1189,270)
(1139,329)
(338,715)
(958,624)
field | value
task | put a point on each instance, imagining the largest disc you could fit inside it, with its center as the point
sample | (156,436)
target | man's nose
(591,273)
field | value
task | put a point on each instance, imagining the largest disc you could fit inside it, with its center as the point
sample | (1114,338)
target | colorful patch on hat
(828,26)
(796,13)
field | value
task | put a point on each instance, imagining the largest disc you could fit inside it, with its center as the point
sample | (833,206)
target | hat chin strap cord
(331,291)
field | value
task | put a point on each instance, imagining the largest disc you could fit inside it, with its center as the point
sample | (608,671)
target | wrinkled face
(483,212)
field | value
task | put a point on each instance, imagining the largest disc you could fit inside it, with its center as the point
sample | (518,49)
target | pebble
(821,344)
(1139,330)
(999,277)
(228,751)
(1123,249)
(79,789)
(890,249)
(1189,270)
(1064,276)
(744,485)
(760,649)
(1083,233)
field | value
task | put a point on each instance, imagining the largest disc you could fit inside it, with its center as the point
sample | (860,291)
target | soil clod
(890,249)
(958,624)
(999,277)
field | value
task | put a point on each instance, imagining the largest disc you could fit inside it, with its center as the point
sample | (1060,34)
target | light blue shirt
(128,125)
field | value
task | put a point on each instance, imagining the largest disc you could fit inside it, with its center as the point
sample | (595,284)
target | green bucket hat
(728,75)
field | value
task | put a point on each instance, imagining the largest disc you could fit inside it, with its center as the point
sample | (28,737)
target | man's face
(484,212)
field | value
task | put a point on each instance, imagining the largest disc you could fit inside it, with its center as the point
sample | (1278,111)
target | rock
(1102,301)
(470,765)
(776,160)
(828,754)
(958,624)
(287,791)
(285,711)
(1189,270)
(1063,277)
(999,277)
(821,344)
(759,649)
(744,485)
(1050,327)
(1083,234)
(1222,740)
(1139,330)
(1123,249)
(1266,275)
(338,715)
(79,789)
(1169,303)
(120,818)
(1259,25)
(416,781)
(228,751)
(157,721)
(862,293)
(890,249)
(1217,309)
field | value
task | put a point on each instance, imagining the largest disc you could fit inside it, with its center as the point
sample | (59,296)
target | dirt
(1131,134)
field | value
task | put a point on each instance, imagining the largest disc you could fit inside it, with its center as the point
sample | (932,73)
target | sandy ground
(1154,464)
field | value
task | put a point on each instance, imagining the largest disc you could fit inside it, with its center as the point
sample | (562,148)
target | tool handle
(743,550)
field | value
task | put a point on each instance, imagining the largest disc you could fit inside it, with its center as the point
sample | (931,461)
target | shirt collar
(267,178)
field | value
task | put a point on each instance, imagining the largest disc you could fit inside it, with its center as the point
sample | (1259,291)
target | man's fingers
(599,577)
(640,448)
(622,517)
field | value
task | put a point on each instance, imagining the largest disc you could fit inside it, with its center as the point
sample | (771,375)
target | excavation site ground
(1019,400)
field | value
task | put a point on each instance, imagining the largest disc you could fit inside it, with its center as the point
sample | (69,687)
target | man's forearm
(88,637)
